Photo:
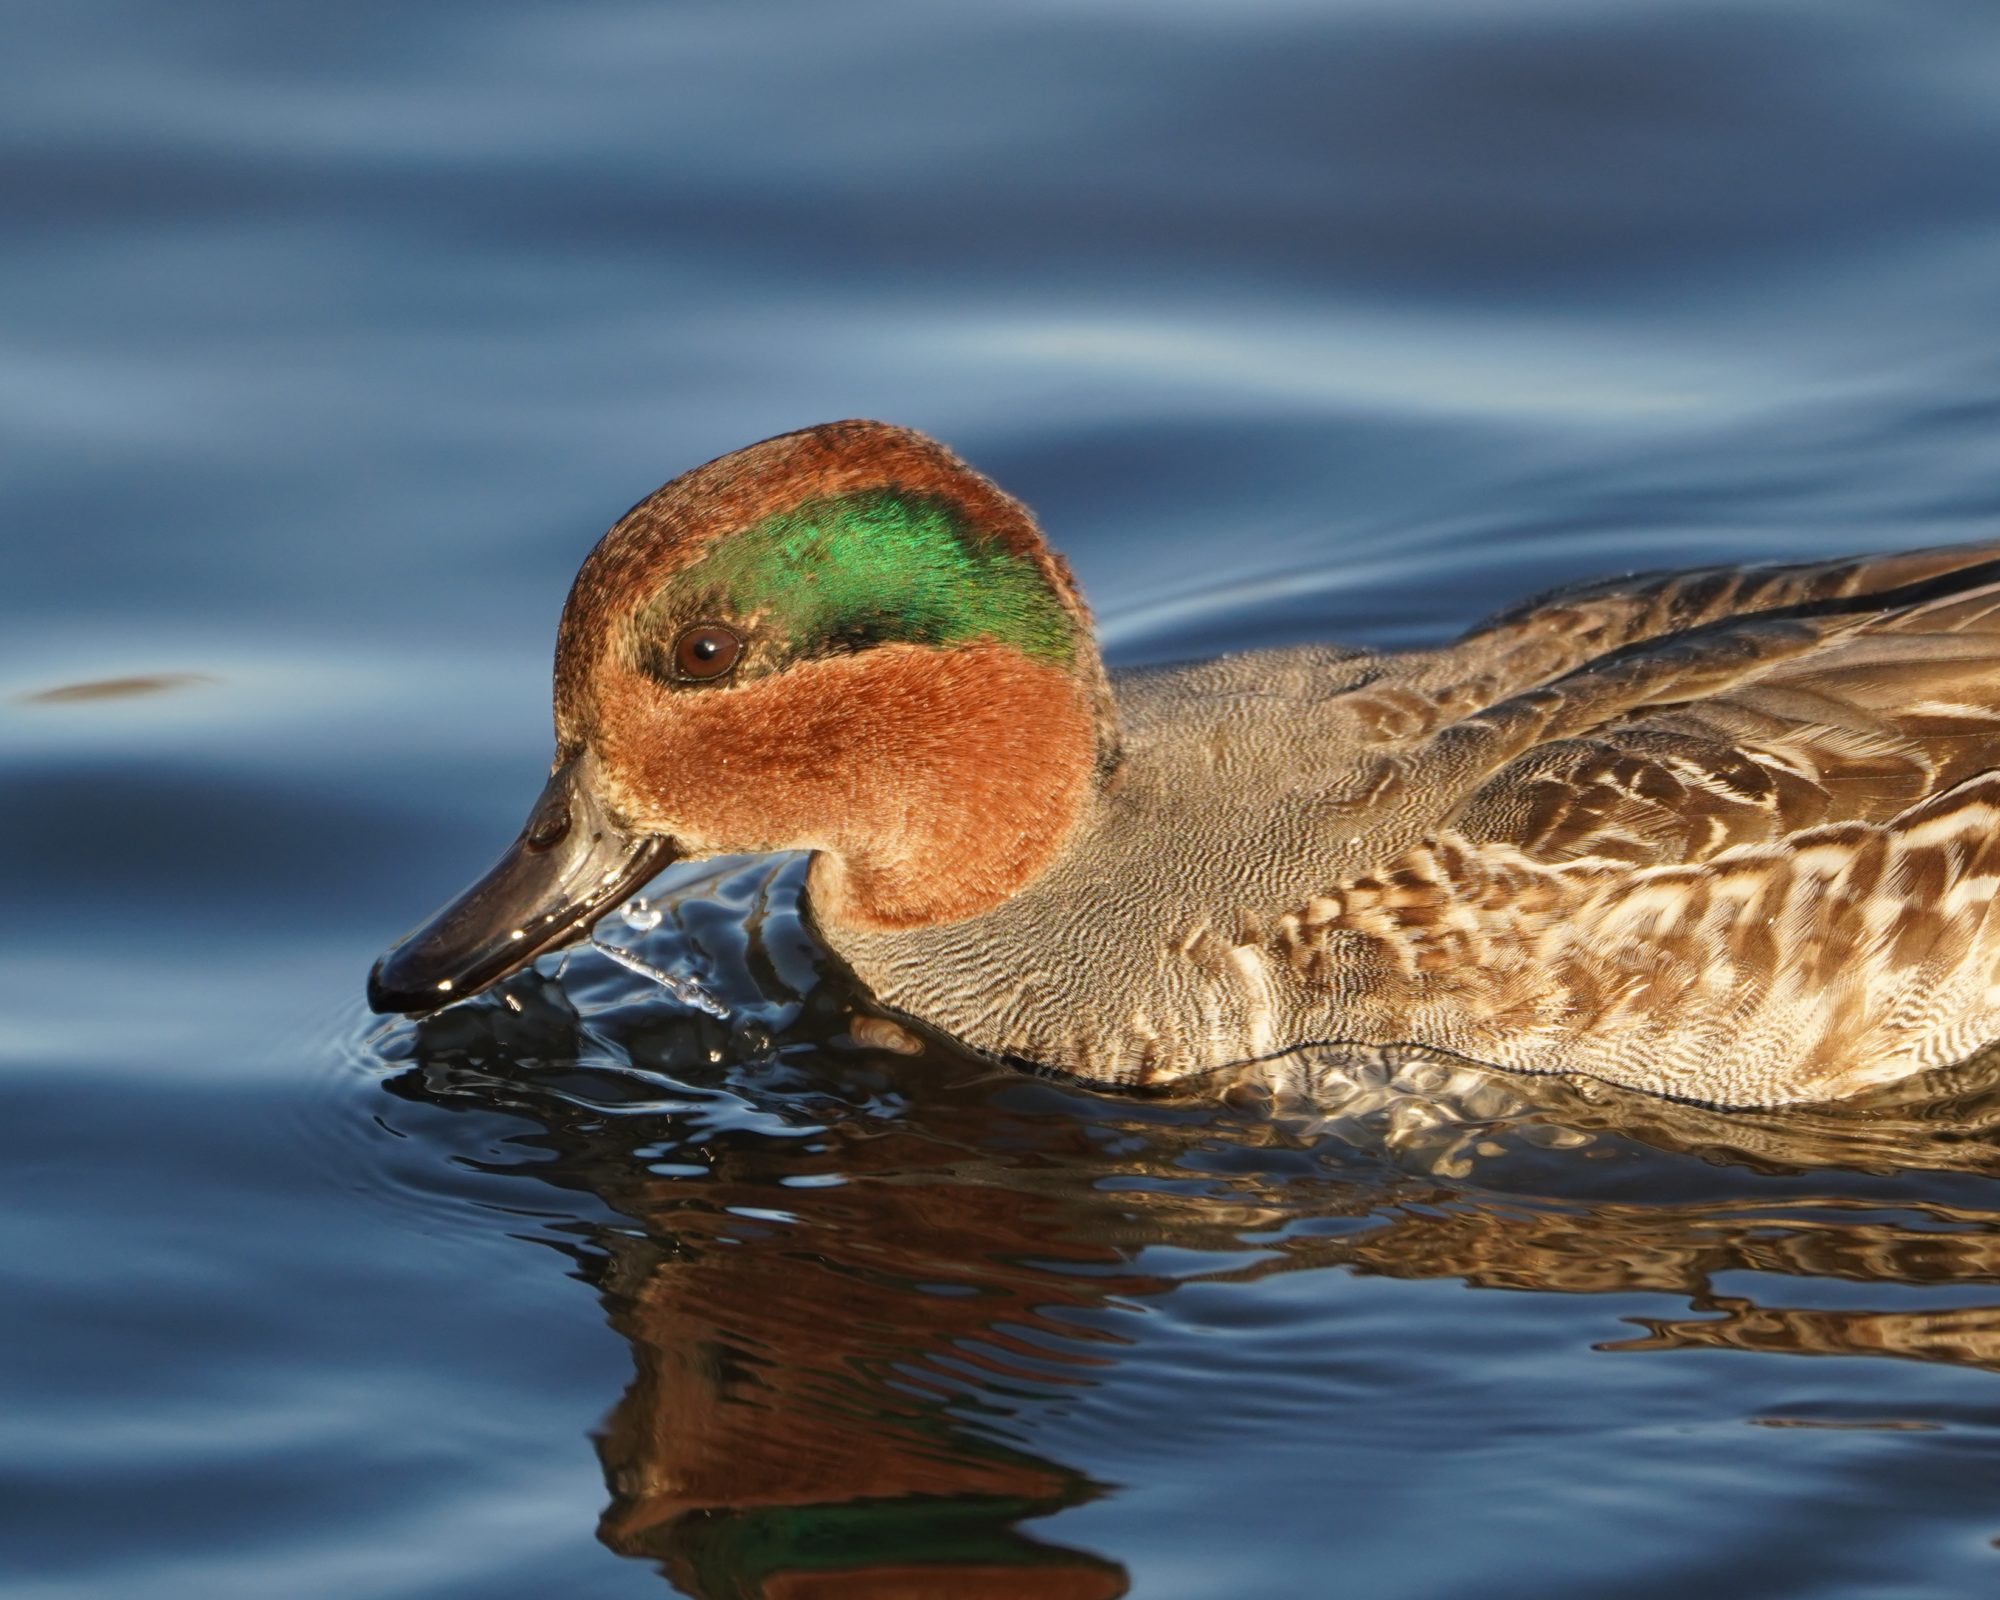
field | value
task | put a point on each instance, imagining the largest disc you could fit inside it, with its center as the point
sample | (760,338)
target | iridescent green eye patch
(875,567)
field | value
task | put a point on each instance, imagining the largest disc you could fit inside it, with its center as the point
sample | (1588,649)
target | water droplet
(641,915)
(685,990)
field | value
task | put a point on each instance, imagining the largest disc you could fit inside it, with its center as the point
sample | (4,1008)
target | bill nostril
(547,826)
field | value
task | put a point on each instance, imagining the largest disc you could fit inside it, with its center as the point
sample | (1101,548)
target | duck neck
(973,808)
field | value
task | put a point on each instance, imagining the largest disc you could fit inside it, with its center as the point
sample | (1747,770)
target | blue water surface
(330,339)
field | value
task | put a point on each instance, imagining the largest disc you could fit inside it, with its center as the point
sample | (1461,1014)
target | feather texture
(1729,835)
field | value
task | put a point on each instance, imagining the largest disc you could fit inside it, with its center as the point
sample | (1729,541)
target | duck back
(1730,835)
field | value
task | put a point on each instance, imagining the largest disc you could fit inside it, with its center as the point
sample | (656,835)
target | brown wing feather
(1753,859)
(1561,630)
(1841,956)
(1845,707)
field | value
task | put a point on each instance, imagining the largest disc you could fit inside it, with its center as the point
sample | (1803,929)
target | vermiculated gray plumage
(1730,835)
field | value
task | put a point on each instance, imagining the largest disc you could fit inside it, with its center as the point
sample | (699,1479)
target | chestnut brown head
(841,640)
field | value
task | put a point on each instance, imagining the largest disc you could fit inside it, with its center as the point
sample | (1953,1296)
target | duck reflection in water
(861,1286)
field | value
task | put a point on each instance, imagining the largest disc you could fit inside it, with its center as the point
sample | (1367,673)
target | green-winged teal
(1729,835)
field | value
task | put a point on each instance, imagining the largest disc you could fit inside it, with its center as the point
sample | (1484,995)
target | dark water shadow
(859,1286)
(114,689)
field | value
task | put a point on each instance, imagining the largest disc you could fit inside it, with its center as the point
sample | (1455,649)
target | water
(332,338)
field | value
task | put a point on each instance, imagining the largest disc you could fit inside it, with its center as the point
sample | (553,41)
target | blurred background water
(329,341)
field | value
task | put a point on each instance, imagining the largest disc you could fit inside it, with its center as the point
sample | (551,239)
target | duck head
(842,640)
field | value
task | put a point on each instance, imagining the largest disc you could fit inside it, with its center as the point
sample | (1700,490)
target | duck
(1728,835)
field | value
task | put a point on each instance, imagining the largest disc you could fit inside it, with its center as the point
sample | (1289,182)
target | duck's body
(1732,836)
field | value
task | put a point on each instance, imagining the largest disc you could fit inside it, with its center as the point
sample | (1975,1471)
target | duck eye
(706,651)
